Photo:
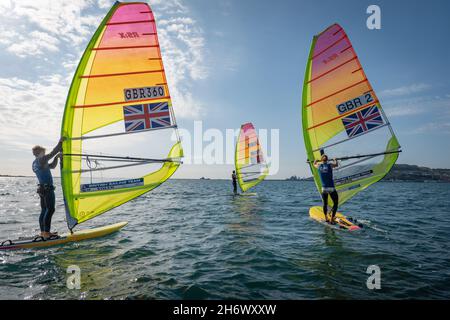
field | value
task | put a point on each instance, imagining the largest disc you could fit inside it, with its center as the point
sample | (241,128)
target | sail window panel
(370,142)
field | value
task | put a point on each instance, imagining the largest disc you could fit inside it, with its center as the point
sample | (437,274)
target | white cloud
(105,4)
(30,112)
(442,127)
(405,90)
(434,112)
(37,44)
(52,19)
(433,105)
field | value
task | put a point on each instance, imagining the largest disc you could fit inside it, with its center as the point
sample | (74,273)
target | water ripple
(193,240)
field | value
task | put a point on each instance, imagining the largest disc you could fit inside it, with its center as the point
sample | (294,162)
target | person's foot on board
(332,220)
(48,235)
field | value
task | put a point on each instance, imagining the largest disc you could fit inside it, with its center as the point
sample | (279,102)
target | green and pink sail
(342,116)
(118,118)
(251,167)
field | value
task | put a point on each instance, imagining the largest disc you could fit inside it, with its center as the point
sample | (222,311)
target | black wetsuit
(326,177)
(46,190)
(233,176)
(334,196)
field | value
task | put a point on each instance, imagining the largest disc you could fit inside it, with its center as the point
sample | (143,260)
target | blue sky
(238,61)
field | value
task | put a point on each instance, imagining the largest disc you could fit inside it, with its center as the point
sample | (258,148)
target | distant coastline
(405,173)
(13,176)
(399,173)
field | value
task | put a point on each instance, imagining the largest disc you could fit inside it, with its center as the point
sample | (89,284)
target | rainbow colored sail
(342,116)
(251,168)
(120,128)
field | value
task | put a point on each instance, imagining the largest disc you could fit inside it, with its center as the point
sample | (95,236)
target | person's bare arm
(316,164)
(54,152)
(335,163)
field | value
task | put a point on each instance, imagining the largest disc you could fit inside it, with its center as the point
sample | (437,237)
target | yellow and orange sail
(119,97)
(251,167)
(342,116)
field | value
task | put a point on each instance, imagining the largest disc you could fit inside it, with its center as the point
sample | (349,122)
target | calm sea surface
(191,239)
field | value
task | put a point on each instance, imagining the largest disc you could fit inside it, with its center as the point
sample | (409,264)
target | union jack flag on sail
(147,116)
(362,121)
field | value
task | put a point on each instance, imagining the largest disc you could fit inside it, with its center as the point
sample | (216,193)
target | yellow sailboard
(39,242)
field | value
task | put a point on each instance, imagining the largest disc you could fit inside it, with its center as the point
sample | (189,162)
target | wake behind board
(63,239)
(342,221)
(248,194)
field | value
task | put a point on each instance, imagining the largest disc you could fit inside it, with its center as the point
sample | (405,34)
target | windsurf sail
(342,116)
(251,168)
(120,128)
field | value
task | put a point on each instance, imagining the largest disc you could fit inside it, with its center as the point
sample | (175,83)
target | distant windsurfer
(234,178)
(46,190)
(326,177)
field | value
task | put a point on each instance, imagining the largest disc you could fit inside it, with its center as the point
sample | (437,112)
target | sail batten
(118,90)
(119,134)
(341,116)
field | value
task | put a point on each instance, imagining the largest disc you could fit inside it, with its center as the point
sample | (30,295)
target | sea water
(192,239)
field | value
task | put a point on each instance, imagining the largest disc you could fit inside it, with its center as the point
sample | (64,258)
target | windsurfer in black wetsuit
(46,190)
(326,177)
(233,177)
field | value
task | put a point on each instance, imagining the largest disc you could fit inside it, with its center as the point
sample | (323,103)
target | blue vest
(42,172)
(326,175)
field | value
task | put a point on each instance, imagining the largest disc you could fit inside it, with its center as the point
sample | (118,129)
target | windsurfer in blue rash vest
(46,190)
(233,177)
(325,170)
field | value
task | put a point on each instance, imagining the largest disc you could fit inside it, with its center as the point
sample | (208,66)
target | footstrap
(5,243)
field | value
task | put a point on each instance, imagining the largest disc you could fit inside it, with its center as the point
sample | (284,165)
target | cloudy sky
(229,62)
